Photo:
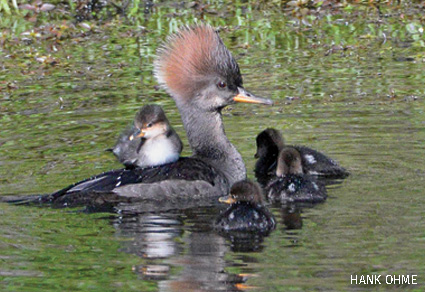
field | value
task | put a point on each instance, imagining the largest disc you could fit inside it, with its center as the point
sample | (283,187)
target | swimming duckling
(150,142)
(270,142)
(246,212)
(291,184)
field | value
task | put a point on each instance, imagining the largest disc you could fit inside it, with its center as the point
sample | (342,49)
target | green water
(351,85)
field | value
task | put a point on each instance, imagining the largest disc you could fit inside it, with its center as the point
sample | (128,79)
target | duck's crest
(189,58)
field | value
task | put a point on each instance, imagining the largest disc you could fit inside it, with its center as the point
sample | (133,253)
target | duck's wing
(317,163)
(175,138)
(126,150)
(186,179)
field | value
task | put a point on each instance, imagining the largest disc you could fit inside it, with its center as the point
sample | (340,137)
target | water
(362,106)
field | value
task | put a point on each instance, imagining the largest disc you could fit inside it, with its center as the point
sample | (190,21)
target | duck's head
(289,162)
(269,140)
(196,68)
(149,122)
(244,191)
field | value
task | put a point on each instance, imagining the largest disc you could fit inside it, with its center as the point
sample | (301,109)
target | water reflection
(181,251)
(152,235)
(291,216)
(245,242)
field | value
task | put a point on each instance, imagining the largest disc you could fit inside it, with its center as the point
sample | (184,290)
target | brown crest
(189,58)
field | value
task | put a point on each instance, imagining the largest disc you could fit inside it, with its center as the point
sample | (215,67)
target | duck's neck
(208,141)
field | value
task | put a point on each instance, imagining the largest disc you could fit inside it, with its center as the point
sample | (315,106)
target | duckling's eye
(149,125)
(221,85)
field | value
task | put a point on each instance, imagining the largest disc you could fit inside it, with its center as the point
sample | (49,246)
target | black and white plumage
(269,144)
(186,179)
(290,183)
(150,142)
(247,212)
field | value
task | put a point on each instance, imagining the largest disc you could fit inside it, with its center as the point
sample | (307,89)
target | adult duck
(201,75)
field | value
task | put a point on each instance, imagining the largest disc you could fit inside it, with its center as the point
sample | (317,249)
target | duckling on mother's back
(150,142)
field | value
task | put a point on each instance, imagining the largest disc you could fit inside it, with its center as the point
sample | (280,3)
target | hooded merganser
(270,142)
(246,212)
(291,184)
(150,142)
(202,77)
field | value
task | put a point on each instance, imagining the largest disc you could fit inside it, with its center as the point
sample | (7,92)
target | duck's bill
(247,97)
(136,134)
(227,200)
(241,286)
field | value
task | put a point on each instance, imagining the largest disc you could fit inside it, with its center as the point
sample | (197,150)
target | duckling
(150,142)
(246,212)
(270,142)
(291,184)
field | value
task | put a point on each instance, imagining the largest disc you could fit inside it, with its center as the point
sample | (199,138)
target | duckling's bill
(136,134)
(227,200)
(247,97)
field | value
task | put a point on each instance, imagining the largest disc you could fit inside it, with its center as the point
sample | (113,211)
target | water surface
(350,86)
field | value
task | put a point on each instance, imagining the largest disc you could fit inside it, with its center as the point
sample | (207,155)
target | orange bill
(227,200)
(247,97)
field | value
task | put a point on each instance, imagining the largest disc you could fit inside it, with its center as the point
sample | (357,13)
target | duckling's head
(244,191)
(269,140)
(150,121)
(196,68)
(289,162)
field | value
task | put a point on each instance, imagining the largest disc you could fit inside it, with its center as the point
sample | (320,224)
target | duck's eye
(149,125)
(221,84)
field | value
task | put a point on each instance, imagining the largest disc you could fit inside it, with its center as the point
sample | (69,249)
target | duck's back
(296,189)
(317,163)
(185,179)
(245,217)
(313,163)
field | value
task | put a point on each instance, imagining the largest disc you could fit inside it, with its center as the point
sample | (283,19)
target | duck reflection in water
(166,243)
(291,217)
